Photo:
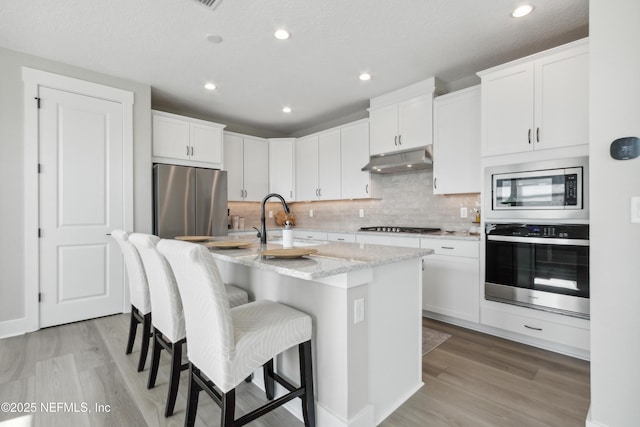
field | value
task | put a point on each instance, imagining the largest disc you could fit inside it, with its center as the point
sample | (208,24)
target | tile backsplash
(401,199)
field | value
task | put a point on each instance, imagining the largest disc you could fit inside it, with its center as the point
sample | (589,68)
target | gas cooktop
(394,229)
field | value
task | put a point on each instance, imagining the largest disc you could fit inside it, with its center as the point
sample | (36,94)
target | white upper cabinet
(456,142)
(281,167)
(402,119)
(329,178)
(307,168)
(535,103)
(318,166)
(246,160)
(188,141)
(355,154)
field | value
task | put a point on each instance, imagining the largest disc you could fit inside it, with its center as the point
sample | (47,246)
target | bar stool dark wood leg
(227,416)
(192,397)
(146,336)
(155,359)
(174,378)
(269,383)
(306,382)
(133,326)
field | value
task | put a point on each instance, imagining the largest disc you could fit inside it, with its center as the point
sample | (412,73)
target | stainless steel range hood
(401,161)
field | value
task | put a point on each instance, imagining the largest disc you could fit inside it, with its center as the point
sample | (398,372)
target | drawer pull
(340,239)
(531,327)
(447,247)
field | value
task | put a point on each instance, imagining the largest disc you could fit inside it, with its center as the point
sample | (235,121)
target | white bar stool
(139,295)
(168,320)
(227,344)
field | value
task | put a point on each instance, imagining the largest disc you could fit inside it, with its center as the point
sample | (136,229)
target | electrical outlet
(310,213)
(358,310)
(270,214)
(463,212)
(361,213)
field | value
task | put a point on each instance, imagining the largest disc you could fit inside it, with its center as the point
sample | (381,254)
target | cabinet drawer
(376,239)
(463,248)
(341,237)
(537,328)
(314,235)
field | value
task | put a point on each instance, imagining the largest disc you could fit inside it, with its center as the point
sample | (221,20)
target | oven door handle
(539,240)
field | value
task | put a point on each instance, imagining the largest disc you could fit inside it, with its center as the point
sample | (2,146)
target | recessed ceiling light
(365,76)
(210,86)
(214,38)
(522,11)
(286,110)
(281,34)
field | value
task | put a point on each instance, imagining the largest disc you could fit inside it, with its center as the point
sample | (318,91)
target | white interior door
(81,201)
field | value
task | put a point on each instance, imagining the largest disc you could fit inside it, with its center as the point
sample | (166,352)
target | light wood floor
(470,380)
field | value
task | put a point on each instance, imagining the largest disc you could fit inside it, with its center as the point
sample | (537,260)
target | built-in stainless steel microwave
(555,189)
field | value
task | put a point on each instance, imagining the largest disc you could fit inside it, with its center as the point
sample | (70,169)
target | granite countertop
(458,235)
(331,258)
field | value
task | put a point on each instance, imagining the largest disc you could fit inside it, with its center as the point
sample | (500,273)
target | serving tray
(288,253)
(227,244)
(193,238)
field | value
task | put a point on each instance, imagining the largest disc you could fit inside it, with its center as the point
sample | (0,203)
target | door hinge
(39,296)
(39,232)
(39,167)
(37,99)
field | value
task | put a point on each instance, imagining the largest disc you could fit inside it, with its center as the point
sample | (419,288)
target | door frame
(33,79)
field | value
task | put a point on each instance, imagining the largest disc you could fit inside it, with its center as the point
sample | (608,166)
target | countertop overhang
(331,258)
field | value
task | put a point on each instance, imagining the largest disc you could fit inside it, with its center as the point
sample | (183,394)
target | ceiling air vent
(210,4)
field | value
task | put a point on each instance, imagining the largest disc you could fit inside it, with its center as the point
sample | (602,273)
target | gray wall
(12,165)
(615,241)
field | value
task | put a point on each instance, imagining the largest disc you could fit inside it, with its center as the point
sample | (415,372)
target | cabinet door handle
(435,183)
(447,247)
(399,139)
(529,136)
(366,188)
(187,150)
(395,140)
(537,134)
(320,192)
(192,150)
(531,327)
(291,194)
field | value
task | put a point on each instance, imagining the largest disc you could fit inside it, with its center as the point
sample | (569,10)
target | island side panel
(395,340)
(340,347)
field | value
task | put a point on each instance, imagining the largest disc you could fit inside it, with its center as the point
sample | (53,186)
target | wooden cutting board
(288,253)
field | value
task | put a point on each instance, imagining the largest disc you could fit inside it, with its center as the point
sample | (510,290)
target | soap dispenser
(287,235)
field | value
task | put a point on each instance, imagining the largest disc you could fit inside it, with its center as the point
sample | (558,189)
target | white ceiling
(399,42)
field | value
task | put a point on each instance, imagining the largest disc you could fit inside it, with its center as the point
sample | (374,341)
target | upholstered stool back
(207,310)
(168,315)
(138,285)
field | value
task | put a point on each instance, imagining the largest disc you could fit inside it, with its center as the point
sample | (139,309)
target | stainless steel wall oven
(543,266)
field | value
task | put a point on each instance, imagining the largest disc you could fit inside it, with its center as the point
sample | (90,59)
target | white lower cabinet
(377,239)
(451,277)
(556,328)
(341,237)
(310,234)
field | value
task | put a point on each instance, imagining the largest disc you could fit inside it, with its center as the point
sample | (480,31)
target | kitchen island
(365,302)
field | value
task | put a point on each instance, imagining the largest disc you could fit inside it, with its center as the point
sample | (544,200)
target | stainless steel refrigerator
(189,201)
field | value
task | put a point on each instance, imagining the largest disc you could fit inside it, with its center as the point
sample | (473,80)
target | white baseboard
(398,403)
(12,328)
(590,423)
(324,417)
